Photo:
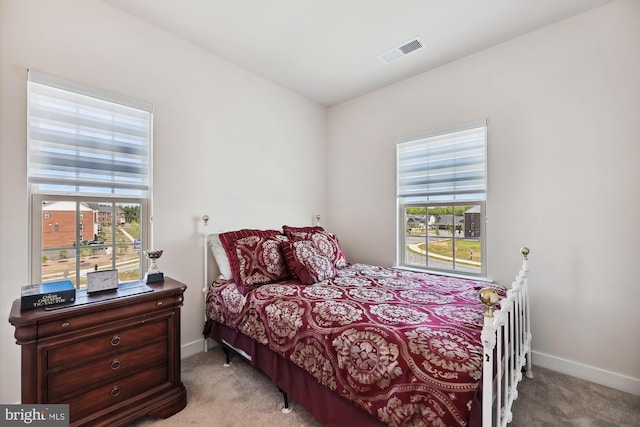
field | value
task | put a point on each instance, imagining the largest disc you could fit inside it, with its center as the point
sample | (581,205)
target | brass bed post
(489,298)
(525,282)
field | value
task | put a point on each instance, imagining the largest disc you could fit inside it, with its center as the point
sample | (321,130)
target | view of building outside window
(78,237)
(444,237)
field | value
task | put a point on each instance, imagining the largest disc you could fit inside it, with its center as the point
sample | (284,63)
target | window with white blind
(89,172)
(441,196)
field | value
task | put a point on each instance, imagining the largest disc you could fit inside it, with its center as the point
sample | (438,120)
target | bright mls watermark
(34,415)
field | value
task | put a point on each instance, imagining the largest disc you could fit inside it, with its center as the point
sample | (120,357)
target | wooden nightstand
(113,358)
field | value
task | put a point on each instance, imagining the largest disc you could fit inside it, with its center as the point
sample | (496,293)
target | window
(441,195)
(89,174)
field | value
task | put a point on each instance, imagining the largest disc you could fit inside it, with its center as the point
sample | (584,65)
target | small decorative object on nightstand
(153,274)
(103,280)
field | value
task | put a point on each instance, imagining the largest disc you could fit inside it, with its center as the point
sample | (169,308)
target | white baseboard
(586,372)
(192,348)
(195,347)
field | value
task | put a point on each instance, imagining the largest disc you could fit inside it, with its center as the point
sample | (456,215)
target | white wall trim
(586,372)
(195,347)
(191,349)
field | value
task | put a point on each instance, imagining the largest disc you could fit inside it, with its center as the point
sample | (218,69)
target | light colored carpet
(241,396)
(237,396)
(554,399)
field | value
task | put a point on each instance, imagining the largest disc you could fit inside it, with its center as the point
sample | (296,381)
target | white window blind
(447,165)
(85,141)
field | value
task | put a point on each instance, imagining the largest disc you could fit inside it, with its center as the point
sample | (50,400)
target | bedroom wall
(226,142)
(563,112)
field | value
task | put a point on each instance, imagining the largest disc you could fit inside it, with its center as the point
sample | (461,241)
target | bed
(358,344)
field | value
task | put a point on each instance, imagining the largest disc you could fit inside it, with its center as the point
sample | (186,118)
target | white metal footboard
(506,336)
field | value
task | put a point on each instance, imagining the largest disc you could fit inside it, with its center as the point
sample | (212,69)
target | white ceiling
(327,50)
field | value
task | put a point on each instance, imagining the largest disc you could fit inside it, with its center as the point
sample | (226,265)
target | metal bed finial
(489,298)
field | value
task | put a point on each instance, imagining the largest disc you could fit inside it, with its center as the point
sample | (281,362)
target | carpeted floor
(554,399)
(241,396)
(237,396)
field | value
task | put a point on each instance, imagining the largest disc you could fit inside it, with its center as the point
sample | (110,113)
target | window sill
(444,273)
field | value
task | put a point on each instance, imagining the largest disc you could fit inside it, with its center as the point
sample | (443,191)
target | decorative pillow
(327,244)
(307,262)
(260,261)
(220,255)
(228,241)
(288,230)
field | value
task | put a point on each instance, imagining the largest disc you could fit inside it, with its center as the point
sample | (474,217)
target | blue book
(45,294)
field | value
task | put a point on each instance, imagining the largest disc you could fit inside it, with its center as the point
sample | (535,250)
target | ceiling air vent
(400,51)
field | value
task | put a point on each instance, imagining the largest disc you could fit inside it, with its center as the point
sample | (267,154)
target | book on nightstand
(46,294)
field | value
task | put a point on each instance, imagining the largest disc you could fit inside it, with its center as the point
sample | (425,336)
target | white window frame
(429,197)
(36,230)
(402,261)
(137,193)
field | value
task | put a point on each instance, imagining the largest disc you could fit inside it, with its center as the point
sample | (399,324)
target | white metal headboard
(205,280)
(206,233)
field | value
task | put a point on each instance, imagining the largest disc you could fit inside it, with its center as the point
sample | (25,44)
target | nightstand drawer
(69,324)
(78,380)
(115,341)
(115,392)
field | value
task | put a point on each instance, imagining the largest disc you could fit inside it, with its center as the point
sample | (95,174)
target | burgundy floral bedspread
(404,346)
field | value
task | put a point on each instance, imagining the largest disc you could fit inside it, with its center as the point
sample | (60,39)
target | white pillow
(221,258)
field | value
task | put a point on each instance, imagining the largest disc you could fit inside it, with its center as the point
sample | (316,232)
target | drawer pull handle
(65,325)
(159,303)
(115,364)
(115,340)
(115,391)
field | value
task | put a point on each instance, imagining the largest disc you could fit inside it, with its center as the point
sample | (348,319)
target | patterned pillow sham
(228,241)
(305,261)
(289,230)
(327,244)
(260,261)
